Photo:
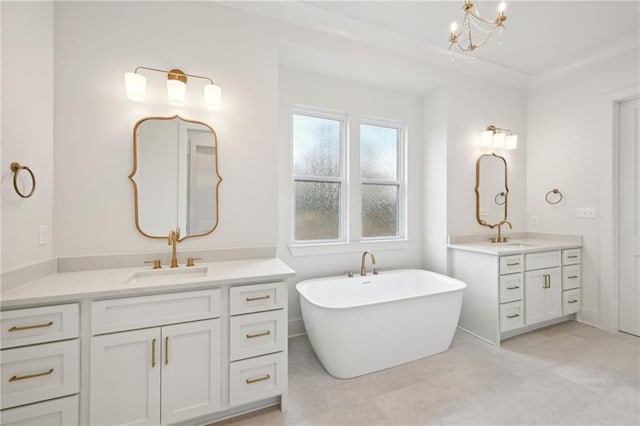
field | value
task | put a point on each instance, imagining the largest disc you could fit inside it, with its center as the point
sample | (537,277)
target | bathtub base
(357,341)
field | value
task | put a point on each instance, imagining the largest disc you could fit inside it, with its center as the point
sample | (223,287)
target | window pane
(379,211)
(317,211)
(316,146)
(378,152)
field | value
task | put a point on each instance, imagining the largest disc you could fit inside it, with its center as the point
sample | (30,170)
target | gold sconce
(136,84)
(495,137)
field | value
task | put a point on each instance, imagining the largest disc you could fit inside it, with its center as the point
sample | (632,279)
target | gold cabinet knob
(191,260)
(156,263)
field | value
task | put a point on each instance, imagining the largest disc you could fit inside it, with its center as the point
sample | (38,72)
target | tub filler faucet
(363,269)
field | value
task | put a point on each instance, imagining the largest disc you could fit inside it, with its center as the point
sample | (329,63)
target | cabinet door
(125,378)
(534,296)
(190,370)
(543,295)
(553,294)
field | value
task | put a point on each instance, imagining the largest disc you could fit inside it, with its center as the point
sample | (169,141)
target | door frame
(609,229)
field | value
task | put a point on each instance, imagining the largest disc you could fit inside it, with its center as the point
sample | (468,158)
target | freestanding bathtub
(358,325)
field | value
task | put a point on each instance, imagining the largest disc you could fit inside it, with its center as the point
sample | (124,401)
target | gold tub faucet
(363,269)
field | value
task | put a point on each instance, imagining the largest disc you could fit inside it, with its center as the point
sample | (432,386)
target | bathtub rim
(459,288)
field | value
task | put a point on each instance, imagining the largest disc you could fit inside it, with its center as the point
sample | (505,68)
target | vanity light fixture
(475,30)
(135,84)
(496,137)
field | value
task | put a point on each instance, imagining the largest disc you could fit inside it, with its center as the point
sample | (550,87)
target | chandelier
(475,30)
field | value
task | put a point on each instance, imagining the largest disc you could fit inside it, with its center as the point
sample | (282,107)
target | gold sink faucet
(363,269)
(500,238)
(173,239)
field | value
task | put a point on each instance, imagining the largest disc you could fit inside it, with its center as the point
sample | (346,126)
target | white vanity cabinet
(158,375)
(511,291)
(40,365)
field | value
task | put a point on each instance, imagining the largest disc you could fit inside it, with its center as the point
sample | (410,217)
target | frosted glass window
(318,176)
(379,211)
(378,152)
(317,214)
(316,146)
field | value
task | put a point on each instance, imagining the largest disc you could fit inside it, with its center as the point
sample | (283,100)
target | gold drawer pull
(513,288)
(252,299)
(166,350)
(264,333)
(572,277)
(572,301)
(513,264)
(575,256)
(259,379)
(29,327)
(513,316)
(30,376)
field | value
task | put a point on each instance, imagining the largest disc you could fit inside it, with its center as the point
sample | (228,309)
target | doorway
(629,217)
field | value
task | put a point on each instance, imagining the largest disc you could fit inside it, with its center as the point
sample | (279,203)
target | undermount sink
(166,276)
(518,245)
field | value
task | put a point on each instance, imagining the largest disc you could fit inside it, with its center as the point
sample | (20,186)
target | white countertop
(515,246)
(107,283)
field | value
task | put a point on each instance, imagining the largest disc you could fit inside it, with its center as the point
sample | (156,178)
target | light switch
(44,235)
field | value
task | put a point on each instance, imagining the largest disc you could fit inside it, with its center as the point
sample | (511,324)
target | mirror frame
(477,190)
(135,185)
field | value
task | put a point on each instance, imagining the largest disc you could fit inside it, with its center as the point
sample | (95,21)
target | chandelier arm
(476,14)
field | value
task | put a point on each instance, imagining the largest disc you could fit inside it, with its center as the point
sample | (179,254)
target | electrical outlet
(534,220)
(44,235)
(586,212)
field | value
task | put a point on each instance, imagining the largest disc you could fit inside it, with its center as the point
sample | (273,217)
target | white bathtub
(361,324)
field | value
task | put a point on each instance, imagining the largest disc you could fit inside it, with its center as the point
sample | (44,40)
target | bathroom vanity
(169,346)
(516,286)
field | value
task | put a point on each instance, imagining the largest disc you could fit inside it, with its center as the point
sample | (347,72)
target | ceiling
(540,36)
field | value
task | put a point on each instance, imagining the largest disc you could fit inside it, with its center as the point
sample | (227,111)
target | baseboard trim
(296,327)
(589,317)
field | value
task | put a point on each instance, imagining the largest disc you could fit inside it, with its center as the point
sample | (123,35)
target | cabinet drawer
(570,277)
(131,313)
(547,259)
(57,412)
(571,256)
(38,325)
(570,301)
(511,264)
(36,373)
(511,287)
(511,316)
(257,378)
(255,298)
(257,334)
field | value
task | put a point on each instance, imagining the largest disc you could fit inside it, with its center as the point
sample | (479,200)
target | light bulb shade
(486,138)
(136,86)
(498,140)
(511,142)
(176,91)
(213,96)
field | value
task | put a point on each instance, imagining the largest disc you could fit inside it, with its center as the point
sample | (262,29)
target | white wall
(95,44)
(357,100)
(27,129)
(569,133)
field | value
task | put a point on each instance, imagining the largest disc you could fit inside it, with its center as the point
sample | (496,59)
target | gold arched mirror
(175,177)
(492,192)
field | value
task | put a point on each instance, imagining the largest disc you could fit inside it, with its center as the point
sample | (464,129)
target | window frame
(400,181)
(343,206)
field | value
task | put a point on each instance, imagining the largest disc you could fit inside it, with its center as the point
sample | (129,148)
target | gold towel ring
(15,168)
(553,191)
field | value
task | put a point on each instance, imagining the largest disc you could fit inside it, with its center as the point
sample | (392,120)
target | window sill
(318,249)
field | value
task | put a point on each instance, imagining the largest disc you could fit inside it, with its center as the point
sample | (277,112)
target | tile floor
(569,374)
